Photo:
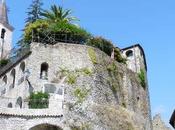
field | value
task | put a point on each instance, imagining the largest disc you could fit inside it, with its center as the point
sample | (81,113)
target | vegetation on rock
(92,55)
(80,94)
(142,78)
(107,47)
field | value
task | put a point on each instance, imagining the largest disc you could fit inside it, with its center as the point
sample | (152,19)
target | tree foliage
(58,14)
(34,11)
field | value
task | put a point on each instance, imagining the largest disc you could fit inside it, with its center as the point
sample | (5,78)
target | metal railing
(50,38)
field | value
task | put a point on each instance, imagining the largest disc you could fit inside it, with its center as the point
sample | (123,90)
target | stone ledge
(31,112)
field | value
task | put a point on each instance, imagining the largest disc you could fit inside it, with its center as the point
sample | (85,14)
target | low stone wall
(31,112)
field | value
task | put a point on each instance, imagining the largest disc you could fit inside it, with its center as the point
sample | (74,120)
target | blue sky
(125,22)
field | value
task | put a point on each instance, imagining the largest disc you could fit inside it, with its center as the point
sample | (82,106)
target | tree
(58,14)
(34,12)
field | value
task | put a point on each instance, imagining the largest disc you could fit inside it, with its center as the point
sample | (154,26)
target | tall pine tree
(34,11)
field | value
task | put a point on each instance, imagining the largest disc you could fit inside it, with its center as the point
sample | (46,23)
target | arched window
(21,73)
(3,33)
(10,105)
(12,74)
(4,80)
(19,102)
(22,67)
(44,71)
(129,53)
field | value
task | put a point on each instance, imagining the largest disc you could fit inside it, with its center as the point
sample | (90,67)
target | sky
(150,23)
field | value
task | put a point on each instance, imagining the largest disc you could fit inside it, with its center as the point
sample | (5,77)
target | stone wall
(158,124)
(98,92)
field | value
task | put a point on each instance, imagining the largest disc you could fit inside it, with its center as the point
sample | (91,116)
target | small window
(13,73)
(129,53)
(3,33)
(19,102)
(10,105)
(22,67)
(44,71)
(4,80)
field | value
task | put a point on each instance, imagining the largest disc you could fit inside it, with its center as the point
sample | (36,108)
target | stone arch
(13,74)
(44,70)
(19,102)
(45,127)
(10,105)
(129,53)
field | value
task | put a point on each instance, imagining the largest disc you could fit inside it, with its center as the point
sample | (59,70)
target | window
(3,33)
(13,73)
(4,80)
(129,53)
(19,102)
(10,105)
(22,67)
(44,71)
(21,73)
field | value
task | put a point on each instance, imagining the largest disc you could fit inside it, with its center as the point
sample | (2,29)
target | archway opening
(10,105)
(129,53)
(13,73)
(45,127)
(19,102)
(44,71)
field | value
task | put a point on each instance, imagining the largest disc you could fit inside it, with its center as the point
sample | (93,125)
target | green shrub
(101,43)
(70,32)
(118,57)
(81,94)
(35,29)
(71,78)
(107,47)
(87,71)
(142,78)
(112,67)
(38,100)
(92,55)
(4,62)
(60,31)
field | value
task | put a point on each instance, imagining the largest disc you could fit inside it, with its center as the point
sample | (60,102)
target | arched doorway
(19,102)
(45,127)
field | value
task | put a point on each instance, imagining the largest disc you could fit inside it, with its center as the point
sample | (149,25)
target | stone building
(5,30)
(83,95)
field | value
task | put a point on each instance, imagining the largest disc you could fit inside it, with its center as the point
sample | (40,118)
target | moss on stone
(112,67)
(71,78)
(80,94)
(142,78)
(87,71)
(92,55)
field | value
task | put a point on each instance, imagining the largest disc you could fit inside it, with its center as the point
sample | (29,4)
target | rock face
(158,124)
(99,94)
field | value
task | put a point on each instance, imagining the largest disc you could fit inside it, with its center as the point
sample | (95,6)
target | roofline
(11,28)
(141,48)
